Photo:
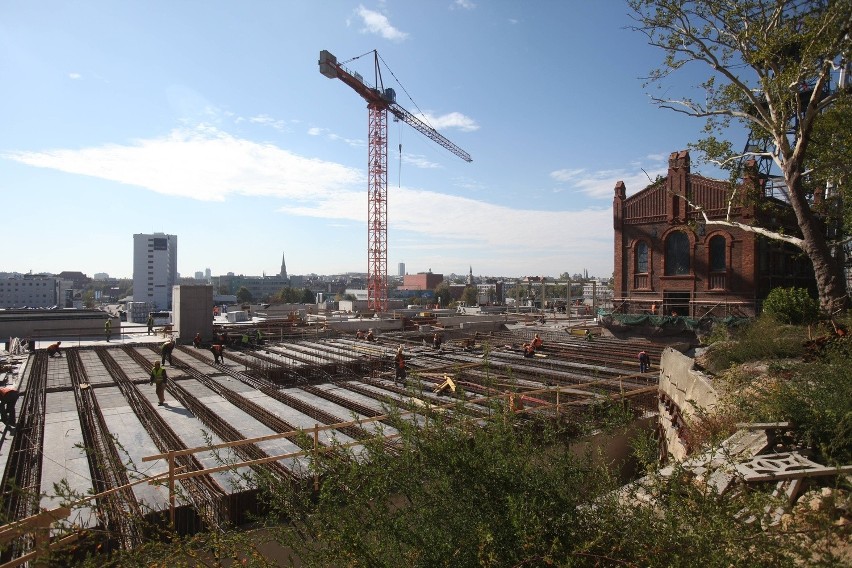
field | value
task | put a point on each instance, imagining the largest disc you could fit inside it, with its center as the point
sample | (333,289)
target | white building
(400,269)
(154,269)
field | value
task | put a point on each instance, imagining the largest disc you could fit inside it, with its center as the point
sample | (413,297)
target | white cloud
(601,185)
(208,164)
(317,131)
(74,76)
(419,161)
(461,221)
(465,4)
(268,121)
(377,23)
(202,163)
(450,120)
(566,175)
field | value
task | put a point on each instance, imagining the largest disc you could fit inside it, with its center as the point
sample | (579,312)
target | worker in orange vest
(537,342)
(8,398)
(399,363)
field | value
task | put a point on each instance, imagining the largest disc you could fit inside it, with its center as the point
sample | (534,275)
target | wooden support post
(316,453)
(557,404)
(172,489)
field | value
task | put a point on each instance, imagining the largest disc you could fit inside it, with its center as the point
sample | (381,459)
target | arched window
(642,258)
(677,254)
(718,257)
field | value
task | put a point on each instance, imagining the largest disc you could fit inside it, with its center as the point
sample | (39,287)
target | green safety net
(681,322)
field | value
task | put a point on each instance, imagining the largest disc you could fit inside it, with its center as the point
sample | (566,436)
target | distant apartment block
(261,288)
(31,291)
(154,269)
(401,269)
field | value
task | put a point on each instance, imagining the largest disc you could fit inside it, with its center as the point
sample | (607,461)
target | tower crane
(379,102)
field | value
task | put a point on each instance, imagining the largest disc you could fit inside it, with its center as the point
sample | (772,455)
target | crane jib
(329,67)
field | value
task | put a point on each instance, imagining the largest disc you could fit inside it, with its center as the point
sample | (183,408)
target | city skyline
(211,121)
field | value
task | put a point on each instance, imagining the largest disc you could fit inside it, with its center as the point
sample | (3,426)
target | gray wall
(193,312)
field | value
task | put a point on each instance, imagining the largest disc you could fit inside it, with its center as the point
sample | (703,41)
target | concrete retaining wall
(683,391)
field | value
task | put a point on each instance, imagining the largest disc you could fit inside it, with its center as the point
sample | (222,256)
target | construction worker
(644,362)
(436,340)
(258,336)
(399,364)
(217,350)
(166,351)
(158,378)
(528,350)
(245,340)
(108,329)
(359,334)
(370,336)
(150,324)
(53,349)
(196,341)
(8,398)
(589,336)
(537,343)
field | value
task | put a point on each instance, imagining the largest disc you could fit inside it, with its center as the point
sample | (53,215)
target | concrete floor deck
(247,410)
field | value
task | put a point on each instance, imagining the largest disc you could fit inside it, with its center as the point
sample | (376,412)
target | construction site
(88,421)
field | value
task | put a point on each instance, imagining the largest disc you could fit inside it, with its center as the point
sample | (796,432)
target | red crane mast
(379,102)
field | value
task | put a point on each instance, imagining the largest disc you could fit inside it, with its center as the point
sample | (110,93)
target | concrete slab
(360,399)
(133,444)
(296,418)
(63,456)
(251,428)
(96,373)
(57,373)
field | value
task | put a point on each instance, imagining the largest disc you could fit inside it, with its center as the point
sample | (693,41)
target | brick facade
(667,260)
(421,281)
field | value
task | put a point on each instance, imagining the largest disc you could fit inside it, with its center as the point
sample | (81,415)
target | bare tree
(771,66)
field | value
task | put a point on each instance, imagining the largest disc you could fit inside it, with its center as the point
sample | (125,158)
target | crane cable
(422,114)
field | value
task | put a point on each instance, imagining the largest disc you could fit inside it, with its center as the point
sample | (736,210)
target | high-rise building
(207,274)
(401,269)
(154,269)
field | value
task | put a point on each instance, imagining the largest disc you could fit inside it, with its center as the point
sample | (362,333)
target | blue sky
(211,121)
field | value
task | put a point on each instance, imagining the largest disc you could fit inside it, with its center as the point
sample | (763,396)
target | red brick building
(421,281)
(668,261)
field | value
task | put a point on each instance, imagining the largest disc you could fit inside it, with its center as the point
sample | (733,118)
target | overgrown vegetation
(791,306)
(763,339)
(766,379)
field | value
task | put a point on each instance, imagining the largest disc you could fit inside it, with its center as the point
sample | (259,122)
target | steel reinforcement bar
(22,478)
(208,498)
(119,511)
(251,408)
(216,424)
(354,432)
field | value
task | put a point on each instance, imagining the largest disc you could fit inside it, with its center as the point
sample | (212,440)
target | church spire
(283,267)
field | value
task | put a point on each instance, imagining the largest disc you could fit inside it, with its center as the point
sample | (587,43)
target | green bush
(791,306)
